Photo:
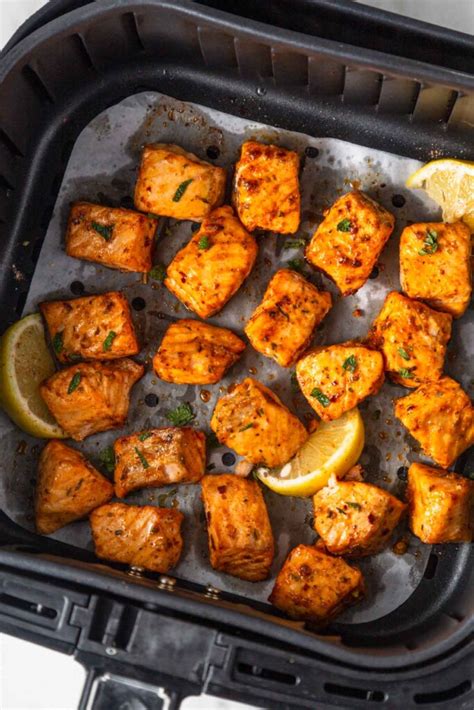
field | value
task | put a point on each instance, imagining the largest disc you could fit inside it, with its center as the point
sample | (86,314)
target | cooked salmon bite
(158,457)
(238,527)
(441,505)
(141,536)
(91,396)
(435,265)
(355,519)
(348,243)
(413,339)
(254,422)
(118,238)
(68,487)
(174,183)
(316,587)
(266,188)
(440,416)
(334,379)
(195,353)
(91,328)
(212,266)
(282,325)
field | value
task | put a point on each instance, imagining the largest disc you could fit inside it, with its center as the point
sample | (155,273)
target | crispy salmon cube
(119,238)
(266,188)
(141,536)
(91,328)
(174,183)
(212,266)
(435,265)
(238,526)
(158,457)
(336,378)
(254,422)
(68,487)
(348,242)
(282,325)
(195,353)
(313,586)
(355,518)
(440,416)
(440,504)
(91,396)
(413,339)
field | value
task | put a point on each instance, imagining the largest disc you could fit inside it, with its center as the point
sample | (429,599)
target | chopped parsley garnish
(322,399)
(403,353)
(247,426)
(203,243)
(181,190)
(352,504)
(406,374)
(350,363)
(341,511)
(280,310)
(109,340)
(107,459)
(152,215)
(73,357)
(294,243)
(58,343)
(143,460)
(163,498)
(74,383)
(296,265)
(145,435)
(182,415)
(158,272)
(105,230)
(344,225)
(430,245)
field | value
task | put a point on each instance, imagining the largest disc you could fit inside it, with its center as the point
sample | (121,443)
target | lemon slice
(332,449)
(25,362)
(450,183)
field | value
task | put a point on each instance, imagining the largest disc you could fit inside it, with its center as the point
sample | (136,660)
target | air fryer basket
(52,83)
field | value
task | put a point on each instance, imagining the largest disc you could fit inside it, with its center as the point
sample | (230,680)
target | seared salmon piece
(118,238)
(174,183)
(413,339)
(440,504)
(141,536)
(68,487)
(348,243)
(211,268)
(238,526)
(282,325)
(336,378)
(355,519)
(195,353)
(91,328)
(313,586)
(266,188)
(158,457)
(435,265)
(254,422)
(440,416)
(91,396)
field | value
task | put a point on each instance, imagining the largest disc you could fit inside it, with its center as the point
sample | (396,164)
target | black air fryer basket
(324,68)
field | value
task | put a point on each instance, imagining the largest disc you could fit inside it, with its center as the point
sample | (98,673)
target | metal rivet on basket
(212,592)
(136,571)
(111,651)
(261,91)
(166,582)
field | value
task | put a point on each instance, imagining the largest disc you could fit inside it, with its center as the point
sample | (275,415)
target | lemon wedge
(332,449)
(25,362)
(450,183)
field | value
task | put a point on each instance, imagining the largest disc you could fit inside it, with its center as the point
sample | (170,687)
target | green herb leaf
(203,243)
(350,363)
(107,459)
(344,225)
(181,190)
(406,374)
(74,383)
(145,435)
(143,460)
(322,399)
(109,340)
(58,343)
(296,265)
(158,272)
(73,357)
(341,511)
(430,245)
(294,243)
(247,426)
(403,353)
(152,215)
(352,504)
(182,415)
(163,498)
(105,230)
